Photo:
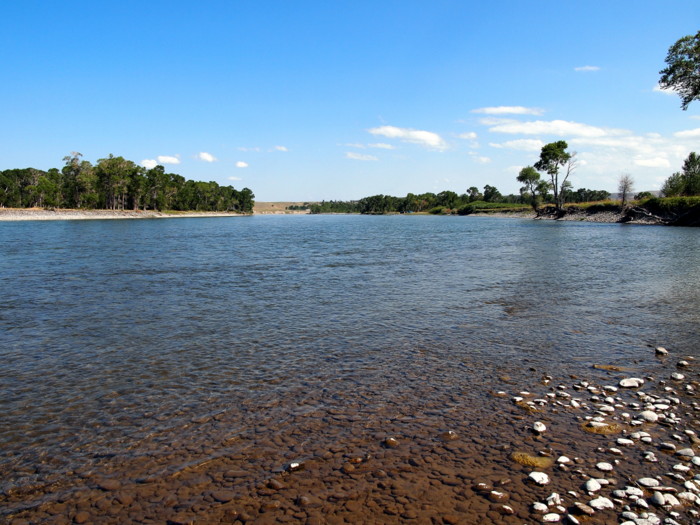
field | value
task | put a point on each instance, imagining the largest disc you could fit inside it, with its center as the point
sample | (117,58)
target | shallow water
(166,354)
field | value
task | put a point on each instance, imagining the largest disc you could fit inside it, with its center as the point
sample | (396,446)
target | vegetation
(682,73)
(686,182)
(553,158)
(625,187)
(115,183)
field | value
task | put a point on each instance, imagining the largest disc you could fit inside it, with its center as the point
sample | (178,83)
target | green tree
(491,194)
(474,194)
(682,73)
(530,179)
(553,158)
(685,183)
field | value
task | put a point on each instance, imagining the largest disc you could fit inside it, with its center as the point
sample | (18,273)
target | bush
(438,210)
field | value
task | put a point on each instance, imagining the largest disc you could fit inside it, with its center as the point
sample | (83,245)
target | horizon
(307,102)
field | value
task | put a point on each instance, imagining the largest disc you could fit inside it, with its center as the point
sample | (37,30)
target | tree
(474,194)
(531,179)
(625,187)
(491,194)
(553,157)
(682,74)
(687,182)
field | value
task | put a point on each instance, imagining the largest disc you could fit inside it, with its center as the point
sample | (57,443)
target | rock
(648,482)
(649,416)
(624,442)
(605,467)
(551,518)
(563,460)
(553,499)
(539,507)
(601,503)
(592,485)
(390,443)
(658,499)
(584,509)
(539,427)
(81,517)
(539,477)
(109,484)
(672,500)
(631,382)
(660,350)
(686,453)
(223,496)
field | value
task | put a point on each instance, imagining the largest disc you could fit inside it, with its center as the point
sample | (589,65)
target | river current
(144,350)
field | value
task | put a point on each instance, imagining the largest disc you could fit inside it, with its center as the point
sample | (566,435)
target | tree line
(115,183)
(448,201)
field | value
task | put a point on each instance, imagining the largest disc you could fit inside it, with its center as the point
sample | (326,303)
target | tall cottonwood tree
(559,164)
(682,74)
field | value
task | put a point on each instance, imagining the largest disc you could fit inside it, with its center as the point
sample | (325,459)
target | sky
(317,100)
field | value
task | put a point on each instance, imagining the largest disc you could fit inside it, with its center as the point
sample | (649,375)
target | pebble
(601,503)
(539,477)
(592,485)
(649,482)
(551,518)
(631,382)
(539,427)
(605,467)
(660,350)
(649,416)
(686,452)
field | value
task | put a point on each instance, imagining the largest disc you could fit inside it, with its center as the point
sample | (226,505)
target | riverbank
(40,214)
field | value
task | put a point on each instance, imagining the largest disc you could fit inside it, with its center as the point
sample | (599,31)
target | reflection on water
(167,343)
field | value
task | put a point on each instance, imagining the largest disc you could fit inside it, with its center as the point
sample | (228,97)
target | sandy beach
(40,214)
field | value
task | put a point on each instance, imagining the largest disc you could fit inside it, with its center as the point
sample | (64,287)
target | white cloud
(381,145)
(281,148)
(256,150)
(659,89)
(241,164)
(235,178)
(688,134)
(554,127)
(149,163)
(656,162)
(468,136)
(520,144)
(168,159)
(359,156)
(206,157)
(478,158)
(414,136)
(587,68)
(509,110)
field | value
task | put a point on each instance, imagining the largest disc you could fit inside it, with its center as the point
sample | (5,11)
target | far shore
(41,214)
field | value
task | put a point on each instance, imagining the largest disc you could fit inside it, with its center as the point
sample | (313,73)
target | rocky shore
(40,214)
(604,445)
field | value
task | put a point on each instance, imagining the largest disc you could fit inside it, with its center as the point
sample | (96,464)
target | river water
(181,357)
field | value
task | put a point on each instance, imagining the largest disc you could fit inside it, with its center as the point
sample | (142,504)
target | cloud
(656,162)
(149,163)
(468,136)
(659,89)
(520,144)
(478,158)
(381,145)
(587,68)
(256,149)
(234,178)
(281,148)
(509,110)
(167,159)
(206,157)
(241,164)
(688,134)
(359,156)
(554,127)
(427,139)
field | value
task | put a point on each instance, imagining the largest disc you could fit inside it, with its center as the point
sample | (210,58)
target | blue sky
(302,100)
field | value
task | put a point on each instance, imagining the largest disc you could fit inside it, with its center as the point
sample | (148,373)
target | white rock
(605,467)
(686,452)
(660,350)
(601,503)
(563,460)
(624,442)
(539,427)
(672,500)
(539,477)
(631,382)
(677,377)
(592,485)
(687,496)
(554,499)
(696,460)
(551,518)
(539,507)
(634,491)
(649,482)
(658,499)
(572,519)
(649,416)
(681,468)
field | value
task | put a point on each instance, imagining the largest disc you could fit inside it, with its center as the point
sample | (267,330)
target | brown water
(172,370)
